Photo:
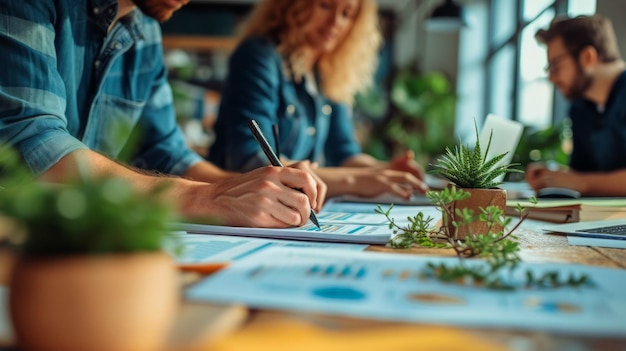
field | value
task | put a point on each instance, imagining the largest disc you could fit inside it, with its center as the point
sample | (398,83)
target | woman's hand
(406,163)
(370,181)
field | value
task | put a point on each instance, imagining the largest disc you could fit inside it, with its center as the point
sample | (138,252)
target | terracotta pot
(111,302)
(480,198)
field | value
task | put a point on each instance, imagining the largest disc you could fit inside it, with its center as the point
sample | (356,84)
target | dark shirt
(599,135)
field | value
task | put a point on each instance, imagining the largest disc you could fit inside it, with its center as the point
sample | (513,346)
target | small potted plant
(90,273)
(471,171)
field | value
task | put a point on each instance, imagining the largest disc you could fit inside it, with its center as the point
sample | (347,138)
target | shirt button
(310,131)
(117,46)
(326,109)
(97,63)
(291,109)
(96,10)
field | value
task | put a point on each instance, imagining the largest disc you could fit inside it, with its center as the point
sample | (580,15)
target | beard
(580,85)
(159,10)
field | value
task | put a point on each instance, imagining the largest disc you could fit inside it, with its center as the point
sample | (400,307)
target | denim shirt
(599,137)
(68,84)
(258,87)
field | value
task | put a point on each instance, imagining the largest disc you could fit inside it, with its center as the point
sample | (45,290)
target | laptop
(609,229)
(505,136)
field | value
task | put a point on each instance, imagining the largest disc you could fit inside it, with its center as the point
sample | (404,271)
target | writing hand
(322,188)
(264,197)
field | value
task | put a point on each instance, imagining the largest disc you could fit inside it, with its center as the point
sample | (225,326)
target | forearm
(604,183)
(193,198)
(207,172)
(362,160)
(340,181)
(85,163)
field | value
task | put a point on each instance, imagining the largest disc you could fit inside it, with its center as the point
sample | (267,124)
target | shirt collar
(617,87)
(103,12)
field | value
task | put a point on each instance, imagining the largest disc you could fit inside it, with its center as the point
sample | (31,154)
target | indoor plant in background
(420,116)
(90,273)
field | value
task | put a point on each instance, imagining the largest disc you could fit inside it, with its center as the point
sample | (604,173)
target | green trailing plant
(85,216)
(498,249)
(469,168)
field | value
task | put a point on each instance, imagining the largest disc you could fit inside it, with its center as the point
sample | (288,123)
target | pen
(277,138)
(271,156)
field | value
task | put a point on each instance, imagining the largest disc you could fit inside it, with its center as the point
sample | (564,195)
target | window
(517,85)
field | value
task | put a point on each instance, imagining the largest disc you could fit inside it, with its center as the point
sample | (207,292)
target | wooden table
(202,326)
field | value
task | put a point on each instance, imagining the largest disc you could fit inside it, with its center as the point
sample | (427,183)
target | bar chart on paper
(394,287)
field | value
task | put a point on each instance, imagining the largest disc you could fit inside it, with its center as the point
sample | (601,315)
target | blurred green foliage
(420,115)
(547,144)
(84,216)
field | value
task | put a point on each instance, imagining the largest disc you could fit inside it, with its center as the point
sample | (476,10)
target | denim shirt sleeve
(162,145)
(32,96)
(341,143)
(251,92)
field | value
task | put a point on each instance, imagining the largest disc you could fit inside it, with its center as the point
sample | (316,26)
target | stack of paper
(571,210)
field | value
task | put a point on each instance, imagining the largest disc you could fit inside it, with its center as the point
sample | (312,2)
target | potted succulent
(477,176)
(90,273)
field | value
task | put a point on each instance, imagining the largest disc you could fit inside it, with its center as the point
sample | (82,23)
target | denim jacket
(259,87)
(68,84)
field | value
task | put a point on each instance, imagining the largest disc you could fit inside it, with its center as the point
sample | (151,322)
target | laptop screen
(506,136)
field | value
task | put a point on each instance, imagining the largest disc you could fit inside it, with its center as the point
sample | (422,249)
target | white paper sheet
(348,233)
(599,242)
(222,248)
(384,286)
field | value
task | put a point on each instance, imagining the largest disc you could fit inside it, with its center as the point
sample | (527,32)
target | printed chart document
(392,287)
(399,212)
(222,248)
(348,233)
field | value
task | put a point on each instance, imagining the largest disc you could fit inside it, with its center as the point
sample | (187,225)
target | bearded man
(585,64)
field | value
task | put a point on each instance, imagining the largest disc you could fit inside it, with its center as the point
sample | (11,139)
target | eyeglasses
(552,67)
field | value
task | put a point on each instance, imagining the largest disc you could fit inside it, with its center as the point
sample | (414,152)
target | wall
(615,10)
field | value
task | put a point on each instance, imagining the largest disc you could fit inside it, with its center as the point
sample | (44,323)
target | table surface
(234,327)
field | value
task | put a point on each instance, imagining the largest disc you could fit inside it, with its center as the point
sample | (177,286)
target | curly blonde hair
(345,71)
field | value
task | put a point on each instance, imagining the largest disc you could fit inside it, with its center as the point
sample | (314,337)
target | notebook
(330,232)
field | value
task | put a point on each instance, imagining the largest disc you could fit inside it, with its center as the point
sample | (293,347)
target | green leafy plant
(419,116)
(549,144)
(85,216)
(497,248)
(469,168)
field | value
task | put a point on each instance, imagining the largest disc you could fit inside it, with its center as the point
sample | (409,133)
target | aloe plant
(469,168)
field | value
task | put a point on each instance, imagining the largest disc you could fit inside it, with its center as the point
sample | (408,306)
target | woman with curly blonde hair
(298,68)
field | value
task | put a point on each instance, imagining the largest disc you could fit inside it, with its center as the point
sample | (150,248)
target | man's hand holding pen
(274,203)
(275,161)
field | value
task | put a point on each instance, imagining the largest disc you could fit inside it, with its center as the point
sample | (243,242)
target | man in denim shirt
(78,73)
(585,64)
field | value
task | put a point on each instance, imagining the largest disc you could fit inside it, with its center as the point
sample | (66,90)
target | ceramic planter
(111,302)
(479,198)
